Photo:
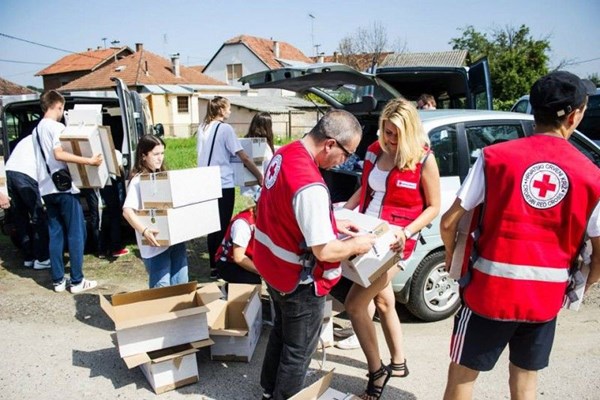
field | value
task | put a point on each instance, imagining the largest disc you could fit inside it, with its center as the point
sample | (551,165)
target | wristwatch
(407,233)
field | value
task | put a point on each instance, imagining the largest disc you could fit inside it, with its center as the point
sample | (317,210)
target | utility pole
(104,40)
(312,30)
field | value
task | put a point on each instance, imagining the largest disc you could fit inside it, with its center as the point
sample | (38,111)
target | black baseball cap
(559,93)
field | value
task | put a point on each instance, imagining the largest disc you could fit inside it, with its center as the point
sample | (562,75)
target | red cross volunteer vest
(403,200)
(279,246)
(225,250)
(540,192)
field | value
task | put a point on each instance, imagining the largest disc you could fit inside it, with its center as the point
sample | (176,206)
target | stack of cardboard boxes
(256,148)
(181,204)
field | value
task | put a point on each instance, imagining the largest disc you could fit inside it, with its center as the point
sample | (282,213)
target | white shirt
(241,233)
(312,210)
(377,180)
(472,193)
(21,158)
(49,131)
(226,146)
(134,201)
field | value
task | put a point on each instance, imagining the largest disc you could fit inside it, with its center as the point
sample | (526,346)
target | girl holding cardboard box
(401,185)
(165,265)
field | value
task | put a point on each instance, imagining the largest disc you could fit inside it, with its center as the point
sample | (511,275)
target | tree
(594,78)
(516,59)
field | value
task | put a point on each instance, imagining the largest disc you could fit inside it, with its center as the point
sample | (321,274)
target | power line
(23,62)
(48,46)
(585,61)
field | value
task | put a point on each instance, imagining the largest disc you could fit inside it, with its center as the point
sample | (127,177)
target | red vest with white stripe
(403,200)
(279,245)
(225,251)
(540,193)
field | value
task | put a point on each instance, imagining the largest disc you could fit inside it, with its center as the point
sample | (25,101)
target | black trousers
(213,240)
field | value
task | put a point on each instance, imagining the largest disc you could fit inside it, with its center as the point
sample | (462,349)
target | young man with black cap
(540,198)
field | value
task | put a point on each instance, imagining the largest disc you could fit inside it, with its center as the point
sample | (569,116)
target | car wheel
(433,294)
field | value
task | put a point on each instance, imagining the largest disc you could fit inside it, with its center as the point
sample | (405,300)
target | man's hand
(363,243)
(95,160)
(346,227)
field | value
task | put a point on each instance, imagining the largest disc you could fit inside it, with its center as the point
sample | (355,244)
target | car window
(445,148)
(587,150)
(480,136)
(521,106)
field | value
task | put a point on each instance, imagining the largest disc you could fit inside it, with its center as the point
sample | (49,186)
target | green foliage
(594,78)
(503,105)
(516,59)
(180,153)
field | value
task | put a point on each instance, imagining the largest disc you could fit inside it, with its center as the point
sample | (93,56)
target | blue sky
(196,29)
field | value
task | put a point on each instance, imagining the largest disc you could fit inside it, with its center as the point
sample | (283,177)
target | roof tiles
(264,49)
(84,61)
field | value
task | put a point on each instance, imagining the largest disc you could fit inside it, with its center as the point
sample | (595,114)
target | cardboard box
(84,140)
(242,175)
(168,369)
(320,390)
(366,268)
(177,225)
(235,324)
(327,328)
(256,148)
(108,150)
(3,187)
(159,318)
(171,189)
(84,114)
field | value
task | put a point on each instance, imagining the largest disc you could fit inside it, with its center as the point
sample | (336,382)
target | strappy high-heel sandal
(400,368)
(375,391)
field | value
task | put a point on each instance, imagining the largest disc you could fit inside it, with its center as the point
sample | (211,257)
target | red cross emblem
(544,185)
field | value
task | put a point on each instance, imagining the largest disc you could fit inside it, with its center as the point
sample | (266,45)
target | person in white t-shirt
(261,126)
(166,266)
(217,143)
(29,215)
(65,216)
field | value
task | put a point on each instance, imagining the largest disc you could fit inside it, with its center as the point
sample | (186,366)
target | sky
(197,29)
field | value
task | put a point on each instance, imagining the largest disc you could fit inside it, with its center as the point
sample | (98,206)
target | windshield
(353,94)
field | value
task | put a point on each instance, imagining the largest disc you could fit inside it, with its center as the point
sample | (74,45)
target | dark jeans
(213,240)
(29,216)
(65,216)
(293,340)
(233,273)
(110,234)
(93,222)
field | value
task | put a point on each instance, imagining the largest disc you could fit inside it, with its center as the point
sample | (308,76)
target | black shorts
(477,342)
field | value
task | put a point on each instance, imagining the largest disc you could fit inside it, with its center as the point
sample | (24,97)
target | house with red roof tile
(77,65)
(8,88)
(244,54)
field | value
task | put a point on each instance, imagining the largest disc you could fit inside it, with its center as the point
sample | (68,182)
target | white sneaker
(351,342)
(28,263)
(41,264)
(60,286)
(83,286)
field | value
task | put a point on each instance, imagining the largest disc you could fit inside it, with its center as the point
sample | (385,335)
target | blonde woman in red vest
(400,184)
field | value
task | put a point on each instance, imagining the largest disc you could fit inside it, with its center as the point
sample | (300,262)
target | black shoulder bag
(212,146)
(61,178)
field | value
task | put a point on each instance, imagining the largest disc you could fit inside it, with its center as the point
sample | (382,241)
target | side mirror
(159,130)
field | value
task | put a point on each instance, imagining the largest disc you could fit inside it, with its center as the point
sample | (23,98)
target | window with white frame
(234,72)
(183,104)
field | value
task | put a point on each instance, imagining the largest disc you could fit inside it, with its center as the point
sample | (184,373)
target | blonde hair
(412,139)
(215,108)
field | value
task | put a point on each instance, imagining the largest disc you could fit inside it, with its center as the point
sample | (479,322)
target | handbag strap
(37,136)
(212,146)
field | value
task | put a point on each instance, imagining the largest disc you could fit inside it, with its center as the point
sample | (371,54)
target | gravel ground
(57,345)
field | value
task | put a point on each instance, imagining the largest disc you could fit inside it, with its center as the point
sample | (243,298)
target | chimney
(335,56)
(139,47)
(99,48)
(276,48)
(89,49)
(321,58)
(175,63)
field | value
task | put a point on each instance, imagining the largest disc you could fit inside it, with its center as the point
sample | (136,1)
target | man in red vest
(540,197)
(296,249)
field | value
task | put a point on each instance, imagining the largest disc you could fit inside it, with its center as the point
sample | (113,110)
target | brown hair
(215,108)
(427,99)
(49,98)
(146,144)
(262,127)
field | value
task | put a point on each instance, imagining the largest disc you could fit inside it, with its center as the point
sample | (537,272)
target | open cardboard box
(170,189)
(170,368)
(177,225)
(366,268)
(320,390)
(235,324)
(159,318)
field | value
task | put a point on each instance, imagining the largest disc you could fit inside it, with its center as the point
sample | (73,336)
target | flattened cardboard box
(171,189)
(159,318)
(168,369)
(366,268)
(235,324)
(84,140)
(177,225)
(320,390)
